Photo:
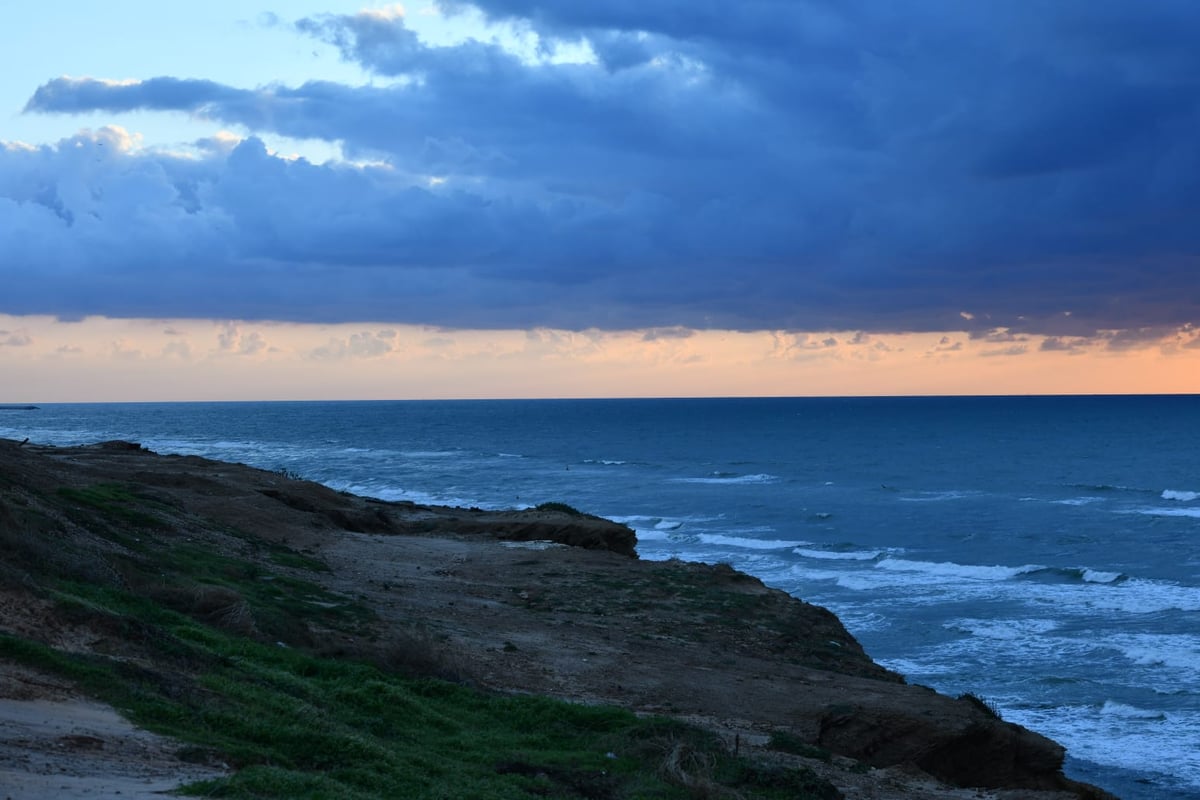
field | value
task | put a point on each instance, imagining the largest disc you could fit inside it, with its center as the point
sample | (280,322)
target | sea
(1042,553)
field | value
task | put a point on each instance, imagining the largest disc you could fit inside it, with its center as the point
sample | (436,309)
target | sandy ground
(56,744)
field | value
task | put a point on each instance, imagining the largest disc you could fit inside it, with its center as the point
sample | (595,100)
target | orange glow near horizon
(101,359)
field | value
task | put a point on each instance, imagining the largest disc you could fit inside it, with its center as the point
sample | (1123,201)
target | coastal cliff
(147,581)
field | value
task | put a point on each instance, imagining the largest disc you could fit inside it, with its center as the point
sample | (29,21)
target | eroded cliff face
(531,601)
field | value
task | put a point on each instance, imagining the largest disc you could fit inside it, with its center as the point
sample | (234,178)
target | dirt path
(55,744)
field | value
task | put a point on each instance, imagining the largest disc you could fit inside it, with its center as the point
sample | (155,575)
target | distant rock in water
(18,408)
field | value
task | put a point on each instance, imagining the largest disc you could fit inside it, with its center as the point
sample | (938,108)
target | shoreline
(585,623)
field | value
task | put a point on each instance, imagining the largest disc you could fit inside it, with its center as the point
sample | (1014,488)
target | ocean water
(1043,553)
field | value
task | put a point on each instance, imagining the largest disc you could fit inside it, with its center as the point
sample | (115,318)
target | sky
(528,198)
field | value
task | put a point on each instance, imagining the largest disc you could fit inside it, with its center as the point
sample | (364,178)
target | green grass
(119,503)
(234,653)
(298,726)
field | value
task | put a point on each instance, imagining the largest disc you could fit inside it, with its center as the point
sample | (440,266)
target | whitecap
(951,569)
(1007,629)
(746,543)
(1098,576)
(651,535)
(1175,651)
(1169,512)
(633,520)
(1141,596)
(1114,709)
(834,555)
(935,497)
(1182,496)
(396,494)
(1121,735)
(729,478)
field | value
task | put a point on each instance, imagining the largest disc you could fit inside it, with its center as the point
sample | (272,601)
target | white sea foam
(726,478)
(745,543)
(835,555)
(1113,709)
(654,529)
(651,535)
(396,494)
(605,462)
(1078,501)
(645,521)
(1182,496)
(1141,596)
(1002,629)
(634,520)
(1098,576)
(937,497)
(949,569)
(1170,512)
(1125,736)
(1177,652)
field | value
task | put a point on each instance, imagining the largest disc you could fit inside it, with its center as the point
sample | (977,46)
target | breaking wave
(730,478)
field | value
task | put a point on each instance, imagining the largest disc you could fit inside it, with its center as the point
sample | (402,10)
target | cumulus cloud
(658,334)
(19,338)
(365,344)
(1064,344)
(766,165)
(233,340)
(947,345)
(1011,350)
(998,335)
(178,349)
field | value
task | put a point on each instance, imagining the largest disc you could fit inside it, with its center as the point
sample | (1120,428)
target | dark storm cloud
(802,165)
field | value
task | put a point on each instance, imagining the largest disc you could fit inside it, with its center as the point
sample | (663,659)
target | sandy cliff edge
(528,601)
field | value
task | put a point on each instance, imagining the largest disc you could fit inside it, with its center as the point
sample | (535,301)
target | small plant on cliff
(562,508)
(986,706)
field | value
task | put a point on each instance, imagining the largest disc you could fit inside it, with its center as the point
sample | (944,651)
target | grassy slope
(220,647)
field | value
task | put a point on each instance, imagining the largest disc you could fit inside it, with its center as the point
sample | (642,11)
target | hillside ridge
(525,602)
